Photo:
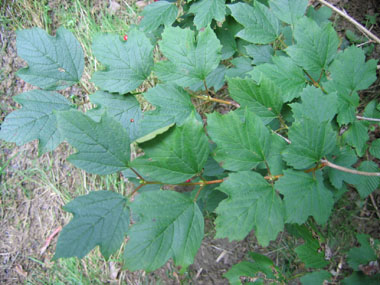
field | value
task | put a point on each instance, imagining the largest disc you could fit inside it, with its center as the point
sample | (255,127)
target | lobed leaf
(305,196)
(316,46)
(158,13)
(176,155)
(289,11)
(252,203)
(171,226)
(316,277)
(103,147)
(367,184)
(173,106)
(240,145)
(206,10)
(350,72)
(54,63)
(357,137)
(263,99)
(260,24)
(285,74)
(375,148)
(362,255)
(260,53)
(226,35)
(346,157)
(36,120)
(311,141)
(262,265)
(128,63)
(315,105)
(100,218)
(190,60)
(124,109)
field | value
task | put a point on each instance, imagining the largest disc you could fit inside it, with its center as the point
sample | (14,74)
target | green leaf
(170,226)
(124,109)
(320,15)
(171,100)
(288,77)
(316,47)
(176,155)
(173,105)
(305,196)
(252,203)
(357,136)
(54,63)
(260,24)
(361,255)
(311,141)
(310,253)
(226,35)
(190,60)
(375,148)
(240,145)
(100,218)
(346,158)
(241,66)
(158,13)
(316,277)
(315,105)
(347,103)
(128,63)
(289,11)
(367,184)
(103,147)
(260,54)
(350,71)
(263,99)
(358,278)
(206,10)
(246,269)
(214,80)
(36,120)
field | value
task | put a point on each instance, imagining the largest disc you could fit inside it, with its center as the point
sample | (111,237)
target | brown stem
(315,83)
(267,166)
(348,170)
(137,189)
(137,174)
(209,99)
(273,178)
(199,191)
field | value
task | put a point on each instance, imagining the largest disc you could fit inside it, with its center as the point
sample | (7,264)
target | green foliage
(128,63)
(262,162)
(103,147)
(36,120)
(206,10)
(252,203)
(54,62)
(260,24)
(175,156)
(190,60)
(170,226)
(246,270)
(100,218)
(158,13)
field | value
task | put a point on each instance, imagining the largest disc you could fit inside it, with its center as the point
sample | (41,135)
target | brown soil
(32,209)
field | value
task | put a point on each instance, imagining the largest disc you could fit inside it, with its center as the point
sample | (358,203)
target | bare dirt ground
(31,209)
